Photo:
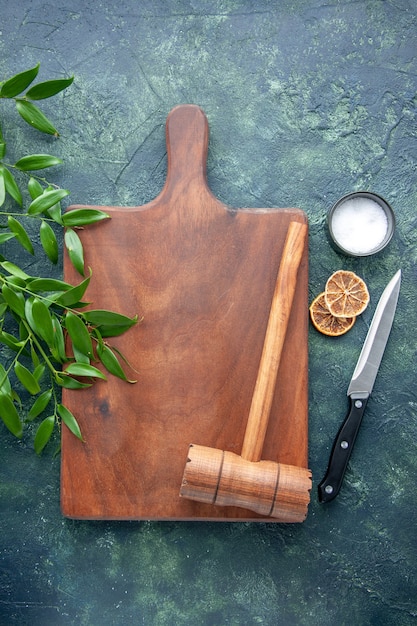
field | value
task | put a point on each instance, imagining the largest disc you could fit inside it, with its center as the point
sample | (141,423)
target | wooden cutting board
(202,276)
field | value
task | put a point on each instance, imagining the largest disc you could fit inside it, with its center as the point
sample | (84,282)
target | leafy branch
(48,339)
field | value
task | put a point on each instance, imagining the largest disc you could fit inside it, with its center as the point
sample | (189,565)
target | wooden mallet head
(223,478)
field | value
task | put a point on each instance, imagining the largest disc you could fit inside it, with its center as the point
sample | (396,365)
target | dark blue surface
(306,101)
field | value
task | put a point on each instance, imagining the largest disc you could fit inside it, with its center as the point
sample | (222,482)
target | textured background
(306,100)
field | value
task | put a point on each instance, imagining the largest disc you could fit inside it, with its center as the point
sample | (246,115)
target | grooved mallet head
(269,488)
(266,487)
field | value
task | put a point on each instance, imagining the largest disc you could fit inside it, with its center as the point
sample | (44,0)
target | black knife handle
(342,448)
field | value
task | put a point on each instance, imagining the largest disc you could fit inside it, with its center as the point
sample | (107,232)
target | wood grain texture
(227,479)
(276,330)
(202,275)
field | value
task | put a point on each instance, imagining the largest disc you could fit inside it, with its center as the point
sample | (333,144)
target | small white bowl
(361,223)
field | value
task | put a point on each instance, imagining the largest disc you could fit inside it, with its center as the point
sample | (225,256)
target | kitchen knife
(360,389)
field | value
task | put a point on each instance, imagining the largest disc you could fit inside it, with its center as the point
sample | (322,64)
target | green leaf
(48,284)
(23,331)
(102,317)
(82,369)
(114,331)
(18,83)
(48,88)
(40,404)
(75,250)
(83,217)
(110,324)
(11,342)
(28,310)
(42,321)
(34,356)
(35,188)
(5,237)
(37,162)
(14,299)
(122,357)
(46,201)
(15,270)
(39,370)
(15,398)
(70,383)
(20,233)
(26,378)
(74,295)
(69,420)
(34,117)
(2,185)
(58,349)
(79,334)
(80,357)
(43,433)
(10,416)
(111,362)
(49,241)
(5,386)
(12,187)
(16,282)
(55,213)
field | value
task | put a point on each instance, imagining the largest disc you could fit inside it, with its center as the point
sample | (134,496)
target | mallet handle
(274,341)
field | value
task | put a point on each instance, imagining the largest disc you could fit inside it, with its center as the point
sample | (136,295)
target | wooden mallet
(269,488)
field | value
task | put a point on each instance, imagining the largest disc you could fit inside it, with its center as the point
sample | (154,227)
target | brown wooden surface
(228,479)
(202,275)
(276,330)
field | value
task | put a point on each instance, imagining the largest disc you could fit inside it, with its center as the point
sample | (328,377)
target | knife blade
(360,389)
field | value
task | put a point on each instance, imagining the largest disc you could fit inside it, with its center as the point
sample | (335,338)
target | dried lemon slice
(327,323)
(346,294)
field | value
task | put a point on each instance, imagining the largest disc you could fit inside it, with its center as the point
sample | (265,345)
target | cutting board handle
(187,135)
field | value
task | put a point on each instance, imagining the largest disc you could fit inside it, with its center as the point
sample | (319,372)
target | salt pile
(359,225)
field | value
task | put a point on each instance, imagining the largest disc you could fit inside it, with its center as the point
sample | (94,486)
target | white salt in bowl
(361,223)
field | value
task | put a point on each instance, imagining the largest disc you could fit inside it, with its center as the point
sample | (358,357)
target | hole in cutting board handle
(187,136)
